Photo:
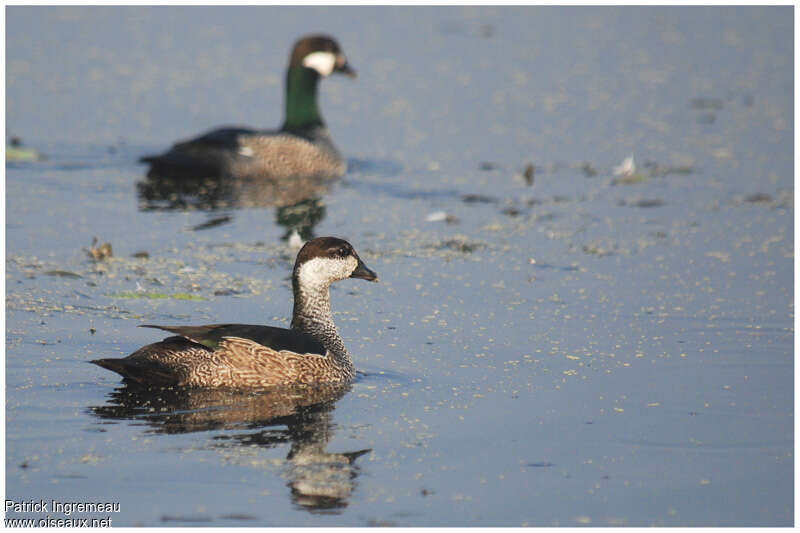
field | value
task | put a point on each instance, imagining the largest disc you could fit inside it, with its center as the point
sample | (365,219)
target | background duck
(303,145)
(242,355)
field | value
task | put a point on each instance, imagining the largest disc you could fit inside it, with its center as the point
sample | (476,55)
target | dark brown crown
(331,247)
(312,43)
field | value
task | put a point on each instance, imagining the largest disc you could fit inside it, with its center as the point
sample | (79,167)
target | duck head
(322,54)
(323,260)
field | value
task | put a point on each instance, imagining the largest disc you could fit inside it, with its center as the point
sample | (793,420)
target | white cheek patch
(324,271)
(322,62)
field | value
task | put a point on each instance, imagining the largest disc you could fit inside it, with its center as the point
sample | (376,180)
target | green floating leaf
(22,154)
(62,274)
(156,296)
(185,296)
(629,179)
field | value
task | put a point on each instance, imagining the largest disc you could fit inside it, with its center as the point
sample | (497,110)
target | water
(582,350)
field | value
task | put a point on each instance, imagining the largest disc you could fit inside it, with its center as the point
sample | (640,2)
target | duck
(310,352)
(301,147)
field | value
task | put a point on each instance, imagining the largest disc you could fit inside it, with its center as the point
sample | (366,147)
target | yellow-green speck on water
(22,154)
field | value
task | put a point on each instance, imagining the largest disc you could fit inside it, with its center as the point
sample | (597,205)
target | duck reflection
(319,481)
(298,202)
(301,217)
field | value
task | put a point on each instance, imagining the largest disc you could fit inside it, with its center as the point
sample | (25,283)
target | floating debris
(628,179)
(226,292)
(655,202)
(588,170)
(528,174)
(235,516)
(99,253)
(441,216)
(488,165)
(214,222)
(16,152)
(141,255)
(22,154)
(459,244)
(478,199)
(758,198)
(626,168)
(626,173)
(62,274)
(596,249)
(436,216)
(782,199)
(664,170)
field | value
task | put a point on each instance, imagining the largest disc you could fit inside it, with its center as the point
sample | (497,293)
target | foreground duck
(302,147)
(241,355)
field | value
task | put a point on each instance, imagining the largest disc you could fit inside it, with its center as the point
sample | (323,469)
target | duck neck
(312,315)
(302,113)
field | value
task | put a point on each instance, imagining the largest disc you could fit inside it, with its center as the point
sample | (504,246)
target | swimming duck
(302,147)
(242,355)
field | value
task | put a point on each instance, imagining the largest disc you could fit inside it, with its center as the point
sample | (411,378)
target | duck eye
(343,252)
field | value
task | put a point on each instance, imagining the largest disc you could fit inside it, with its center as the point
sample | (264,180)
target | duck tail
(131,371)
(115,365)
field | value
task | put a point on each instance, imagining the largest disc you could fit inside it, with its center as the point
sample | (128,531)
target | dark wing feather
(223,138)
(277,339)
(220,139)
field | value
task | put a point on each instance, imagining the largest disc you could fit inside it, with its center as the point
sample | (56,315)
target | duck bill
(363,272)
(346,69)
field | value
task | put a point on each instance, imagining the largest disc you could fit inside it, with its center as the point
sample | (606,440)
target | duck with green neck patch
(301,148)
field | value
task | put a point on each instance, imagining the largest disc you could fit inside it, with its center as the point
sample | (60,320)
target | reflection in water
(319,481)
(298,201)
(301,217)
